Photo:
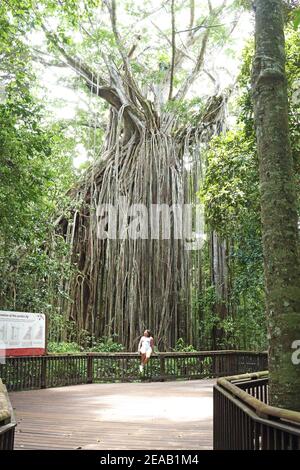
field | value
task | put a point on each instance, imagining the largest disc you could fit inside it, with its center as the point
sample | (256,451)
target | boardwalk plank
(169,415)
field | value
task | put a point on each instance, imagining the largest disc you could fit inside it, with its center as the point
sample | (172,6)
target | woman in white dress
(145,348)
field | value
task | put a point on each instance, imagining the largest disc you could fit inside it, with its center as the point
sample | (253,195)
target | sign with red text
(22,333)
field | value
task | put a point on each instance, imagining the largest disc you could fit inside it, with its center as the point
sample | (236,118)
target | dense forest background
(41,188)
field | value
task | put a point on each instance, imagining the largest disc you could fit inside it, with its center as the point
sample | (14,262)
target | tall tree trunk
(278,204)
(219,279)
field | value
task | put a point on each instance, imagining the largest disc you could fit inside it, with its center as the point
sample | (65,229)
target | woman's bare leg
(146,359)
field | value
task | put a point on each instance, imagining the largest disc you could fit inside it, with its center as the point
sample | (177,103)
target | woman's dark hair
(148,333)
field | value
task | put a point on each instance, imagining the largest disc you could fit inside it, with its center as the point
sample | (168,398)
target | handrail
(7,420)
(34,372)
(263,410)
(220,352)
(5,413)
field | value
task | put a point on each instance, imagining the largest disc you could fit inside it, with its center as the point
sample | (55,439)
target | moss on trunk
(278,204)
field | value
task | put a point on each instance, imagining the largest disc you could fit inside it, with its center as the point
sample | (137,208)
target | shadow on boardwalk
(165,415)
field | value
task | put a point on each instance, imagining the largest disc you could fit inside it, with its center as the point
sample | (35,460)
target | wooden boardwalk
(164,415)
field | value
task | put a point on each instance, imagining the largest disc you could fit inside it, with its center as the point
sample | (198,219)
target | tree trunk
(219,279)
(278,204)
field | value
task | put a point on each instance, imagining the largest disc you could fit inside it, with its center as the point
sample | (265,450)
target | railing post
(218,365)
(235,364)
(213,366)
(8,422)
(43,372)
(90,369)
(162,367)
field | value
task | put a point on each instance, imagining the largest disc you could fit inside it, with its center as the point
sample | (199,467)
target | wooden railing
(243,420)
(53,370)
(7,421)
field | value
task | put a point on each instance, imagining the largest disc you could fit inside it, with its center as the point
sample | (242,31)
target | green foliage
(231,196)
(35,172)
(181,346)
(247,4)
(63,347)
(230,191)
(296,19)
(232,206)
(106,344)
(190,111)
